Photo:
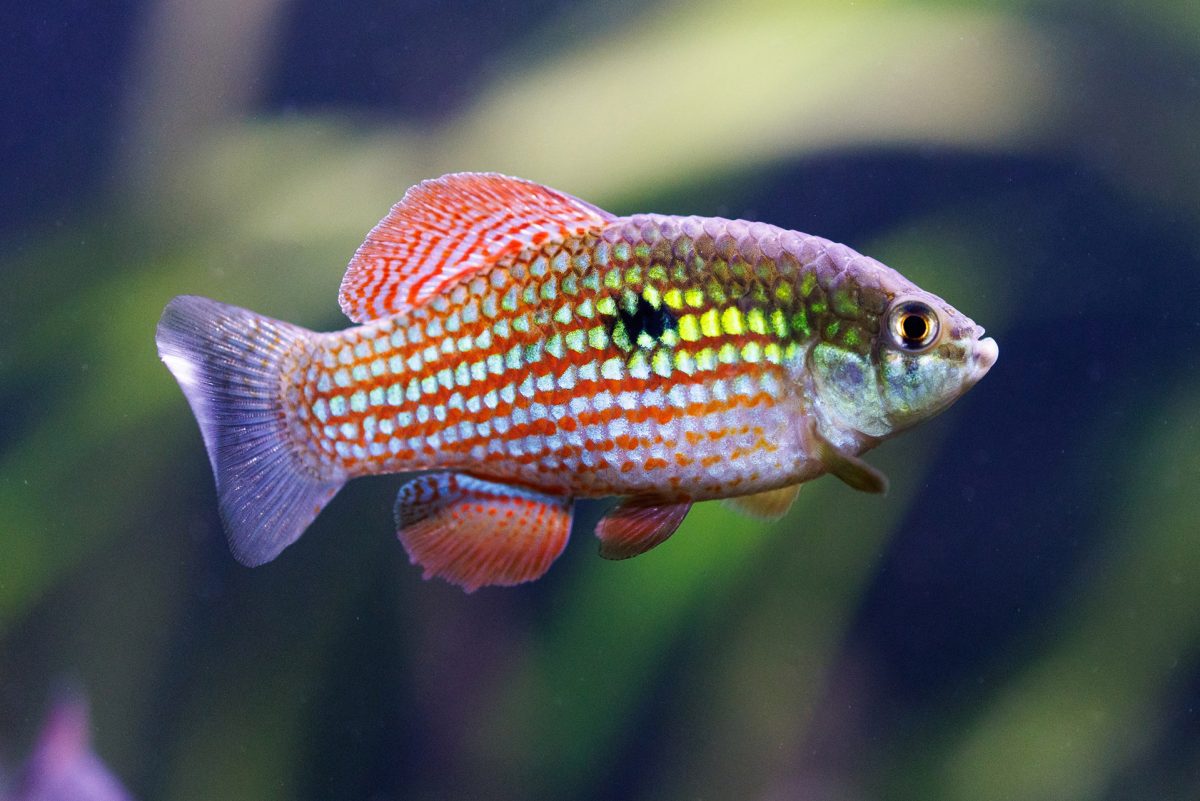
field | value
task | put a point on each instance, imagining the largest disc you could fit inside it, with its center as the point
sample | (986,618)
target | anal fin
(477,533)
(635,526)
(769,505)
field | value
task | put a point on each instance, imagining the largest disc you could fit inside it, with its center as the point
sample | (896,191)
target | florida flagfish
(521,348)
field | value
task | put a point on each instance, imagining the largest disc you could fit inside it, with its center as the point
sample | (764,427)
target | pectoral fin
(477,533)
(850,469)
(635,526)
(769,505)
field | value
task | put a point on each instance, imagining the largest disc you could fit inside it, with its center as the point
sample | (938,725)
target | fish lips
(984,353)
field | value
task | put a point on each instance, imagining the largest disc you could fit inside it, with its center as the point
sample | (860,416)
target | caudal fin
(228,362)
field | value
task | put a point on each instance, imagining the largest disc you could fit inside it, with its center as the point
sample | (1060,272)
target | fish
(519,349)
(63,765)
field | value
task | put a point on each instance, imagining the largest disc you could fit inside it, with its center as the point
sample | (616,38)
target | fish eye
(913,326)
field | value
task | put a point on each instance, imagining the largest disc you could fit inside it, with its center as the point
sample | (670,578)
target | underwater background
(1018,619)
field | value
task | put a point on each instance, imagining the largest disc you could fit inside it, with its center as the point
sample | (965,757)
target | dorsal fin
(450,227)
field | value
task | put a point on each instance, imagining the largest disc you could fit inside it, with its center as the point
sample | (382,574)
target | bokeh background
(1018,619)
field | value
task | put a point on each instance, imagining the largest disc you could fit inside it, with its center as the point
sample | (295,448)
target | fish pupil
(914,327)
(645,318)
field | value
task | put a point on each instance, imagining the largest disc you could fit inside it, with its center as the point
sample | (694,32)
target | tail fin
(228,361)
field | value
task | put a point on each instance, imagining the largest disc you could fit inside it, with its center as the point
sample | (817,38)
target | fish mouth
(983,356)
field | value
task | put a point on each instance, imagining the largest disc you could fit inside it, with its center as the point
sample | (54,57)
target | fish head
(928,354)
(914,355)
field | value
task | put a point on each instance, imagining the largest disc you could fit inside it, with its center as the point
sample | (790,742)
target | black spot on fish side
(645,318)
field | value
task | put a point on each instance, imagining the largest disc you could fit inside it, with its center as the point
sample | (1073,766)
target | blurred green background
(1018,619)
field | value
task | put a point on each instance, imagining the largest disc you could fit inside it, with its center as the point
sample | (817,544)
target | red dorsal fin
(477,533)
(451,227)
(637,525)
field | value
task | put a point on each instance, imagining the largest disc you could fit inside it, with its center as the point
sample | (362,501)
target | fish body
(528,348)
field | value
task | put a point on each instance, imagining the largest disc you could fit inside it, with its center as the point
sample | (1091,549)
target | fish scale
(483,378)
(521,348)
